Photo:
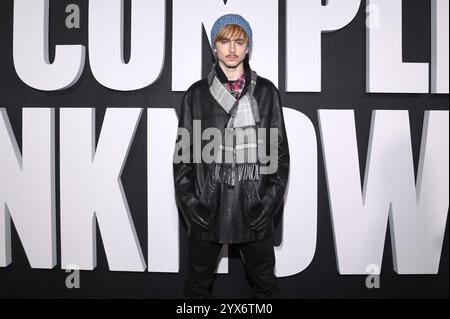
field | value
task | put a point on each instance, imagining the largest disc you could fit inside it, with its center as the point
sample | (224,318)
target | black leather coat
(227,211)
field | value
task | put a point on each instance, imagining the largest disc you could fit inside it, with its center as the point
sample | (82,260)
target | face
(231,51)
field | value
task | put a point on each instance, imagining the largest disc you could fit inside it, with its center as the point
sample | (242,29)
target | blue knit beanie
(231,19)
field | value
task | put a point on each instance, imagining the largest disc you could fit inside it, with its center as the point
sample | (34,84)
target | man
(233,198)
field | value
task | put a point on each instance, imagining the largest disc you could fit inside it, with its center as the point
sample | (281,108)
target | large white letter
(300,210)
(91,189)
(163,229)
(417,215)
(189,18)
(386,73)
(27,187)
(163,219)
(305,21)
(106,43)
(439,46)
(31,50)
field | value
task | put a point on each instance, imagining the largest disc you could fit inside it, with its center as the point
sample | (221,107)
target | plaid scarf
(238,151)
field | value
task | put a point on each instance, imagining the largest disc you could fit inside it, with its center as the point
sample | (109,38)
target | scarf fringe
(248,116)
(226,173)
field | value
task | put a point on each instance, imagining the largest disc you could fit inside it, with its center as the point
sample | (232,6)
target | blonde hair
(230,31)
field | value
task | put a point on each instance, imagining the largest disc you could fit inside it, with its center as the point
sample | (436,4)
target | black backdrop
(343,87)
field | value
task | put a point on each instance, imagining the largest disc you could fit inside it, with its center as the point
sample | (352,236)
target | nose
(232,46)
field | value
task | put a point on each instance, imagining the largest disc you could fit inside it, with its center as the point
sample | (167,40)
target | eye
(224,41)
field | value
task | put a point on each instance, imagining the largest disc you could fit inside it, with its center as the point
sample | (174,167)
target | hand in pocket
(198,215)
(261,221)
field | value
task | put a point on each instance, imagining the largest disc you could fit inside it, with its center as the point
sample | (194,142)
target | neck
(232,74)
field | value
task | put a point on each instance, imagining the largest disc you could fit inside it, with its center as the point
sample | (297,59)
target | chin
(233,66)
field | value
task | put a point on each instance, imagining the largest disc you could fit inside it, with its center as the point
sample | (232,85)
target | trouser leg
(259,261)
(203,257)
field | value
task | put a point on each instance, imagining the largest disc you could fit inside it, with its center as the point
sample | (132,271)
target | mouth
(232,57)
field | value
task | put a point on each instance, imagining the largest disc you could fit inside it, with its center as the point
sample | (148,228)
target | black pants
(259,261)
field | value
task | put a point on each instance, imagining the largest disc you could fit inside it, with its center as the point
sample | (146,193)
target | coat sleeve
(183,171)
(277,181)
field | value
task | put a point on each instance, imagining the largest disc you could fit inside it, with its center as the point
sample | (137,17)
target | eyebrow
(238,39)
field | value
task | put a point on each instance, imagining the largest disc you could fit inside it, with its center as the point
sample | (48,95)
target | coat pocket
(207,191)
(254,203)
(253,195)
